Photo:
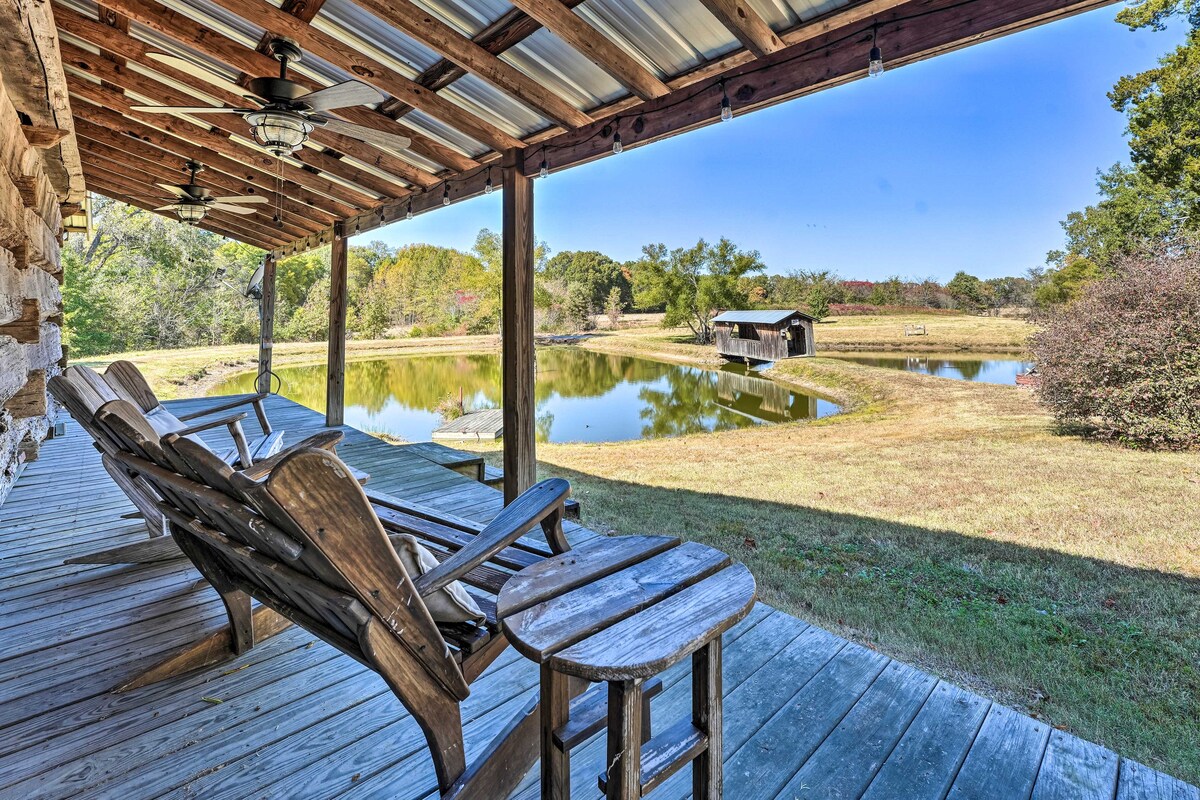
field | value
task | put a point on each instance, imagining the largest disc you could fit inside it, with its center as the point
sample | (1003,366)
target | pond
(967,367)
(581,396)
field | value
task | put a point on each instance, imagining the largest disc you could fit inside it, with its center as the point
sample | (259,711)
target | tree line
(140,281)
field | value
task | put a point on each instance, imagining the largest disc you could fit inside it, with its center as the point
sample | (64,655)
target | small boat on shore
(1030,379)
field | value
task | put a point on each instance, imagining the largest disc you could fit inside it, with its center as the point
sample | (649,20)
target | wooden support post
(335,380)
(516,328)
(266,338)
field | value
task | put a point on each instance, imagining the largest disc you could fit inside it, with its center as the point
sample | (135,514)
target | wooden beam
(266,317)
(166,168)
(450,44)
(126,168)
(113,130)
(43,137)
(100,187)
(179,27)
(134,186)
(509,29)
(120,78)
(217,142)
(335,375)
(237,226)
(123,48)
(131,49)
(516,328)
(598,48)
(746,24)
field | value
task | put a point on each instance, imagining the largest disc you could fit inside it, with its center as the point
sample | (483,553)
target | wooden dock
(807,714)
(475,426)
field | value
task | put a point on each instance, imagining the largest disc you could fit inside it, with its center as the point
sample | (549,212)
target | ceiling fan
(291,113)
(192,201)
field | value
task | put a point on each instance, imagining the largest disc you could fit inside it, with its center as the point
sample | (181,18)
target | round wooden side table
(620,611)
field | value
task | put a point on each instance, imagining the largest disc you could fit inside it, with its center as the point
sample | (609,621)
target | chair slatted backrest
(305,540)
(129,383)
(83,393)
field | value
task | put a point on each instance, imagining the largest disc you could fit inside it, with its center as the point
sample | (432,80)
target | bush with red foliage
(1123,360)
(865,310)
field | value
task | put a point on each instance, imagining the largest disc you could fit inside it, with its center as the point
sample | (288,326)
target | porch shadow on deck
(808,714)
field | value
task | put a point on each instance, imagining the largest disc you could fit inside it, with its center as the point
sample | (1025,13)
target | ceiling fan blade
(369,135)
(190,110)
(172,207)
(230,208)
(175,190)
(242,198)
(341,95)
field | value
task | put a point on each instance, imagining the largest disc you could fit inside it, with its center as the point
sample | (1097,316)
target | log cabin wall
(40,177)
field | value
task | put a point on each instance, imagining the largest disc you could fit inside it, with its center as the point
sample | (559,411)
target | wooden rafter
(115,76)
(98,143)
(217,142)
(109,128)
(452,45)
(124,48)
(746,24)
(100,182)
(229,52)
(322,44)
(511,28)
(142,186)
(599,49)
(910,31)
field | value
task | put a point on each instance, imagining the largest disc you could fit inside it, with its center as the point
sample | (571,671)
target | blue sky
(967,161)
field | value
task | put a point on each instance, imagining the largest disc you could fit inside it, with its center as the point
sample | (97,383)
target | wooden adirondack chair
(299,535)
(83,391)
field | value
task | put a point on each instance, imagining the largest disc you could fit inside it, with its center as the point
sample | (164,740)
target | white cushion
(449,604)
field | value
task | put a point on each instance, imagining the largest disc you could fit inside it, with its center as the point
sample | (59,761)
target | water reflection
(977,368)
(581,396)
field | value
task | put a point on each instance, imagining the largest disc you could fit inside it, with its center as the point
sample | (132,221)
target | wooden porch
(808,714)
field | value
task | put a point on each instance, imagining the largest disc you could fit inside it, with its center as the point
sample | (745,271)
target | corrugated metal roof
(773,317)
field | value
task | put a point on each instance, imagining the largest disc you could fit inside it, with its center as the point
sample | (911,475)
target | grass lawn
(942,332)
(941,522)
(946,524)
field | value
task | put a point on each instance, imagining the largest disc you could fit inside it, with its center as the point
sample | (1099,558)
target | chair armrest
(541,503)
(234,423)
(255,400)
(325,440)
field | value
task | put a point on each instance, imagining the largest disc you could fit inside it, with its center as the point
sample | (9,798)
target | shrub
(1123,360)
(864,310)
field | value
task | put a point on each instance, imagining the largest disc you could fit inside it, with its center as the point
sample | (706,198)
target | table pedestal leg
(555,711)
(624,765)
(706,715)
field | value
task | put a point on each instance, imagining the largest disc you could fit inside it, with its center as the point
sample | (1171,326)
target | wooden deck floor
(808,715)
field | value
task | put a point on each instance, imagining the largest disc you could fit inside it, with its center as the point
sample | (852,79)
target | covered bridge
(764,335)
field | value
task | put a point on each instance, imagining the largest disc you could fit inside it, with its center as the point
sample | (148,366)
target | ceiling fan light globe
(191,213)
(279,132)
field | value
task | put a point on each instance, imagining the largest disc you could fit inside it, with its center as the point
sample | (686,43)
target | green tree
(594,272)
(694,283)
(1065,283)
(968,292)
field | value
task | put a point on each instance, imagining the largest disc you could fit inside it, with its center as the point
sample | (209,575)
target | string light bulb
(487,187)
(408,214)
(446,195)
(617,146)
(544,167)
(726,106)
(875,67)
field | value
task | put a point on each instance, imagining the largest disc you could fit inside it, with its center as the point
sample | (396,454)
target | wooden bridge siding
(808,714)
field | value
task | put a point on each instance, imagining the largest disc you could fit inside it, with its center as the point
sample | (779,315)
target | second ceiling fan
(291,112)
